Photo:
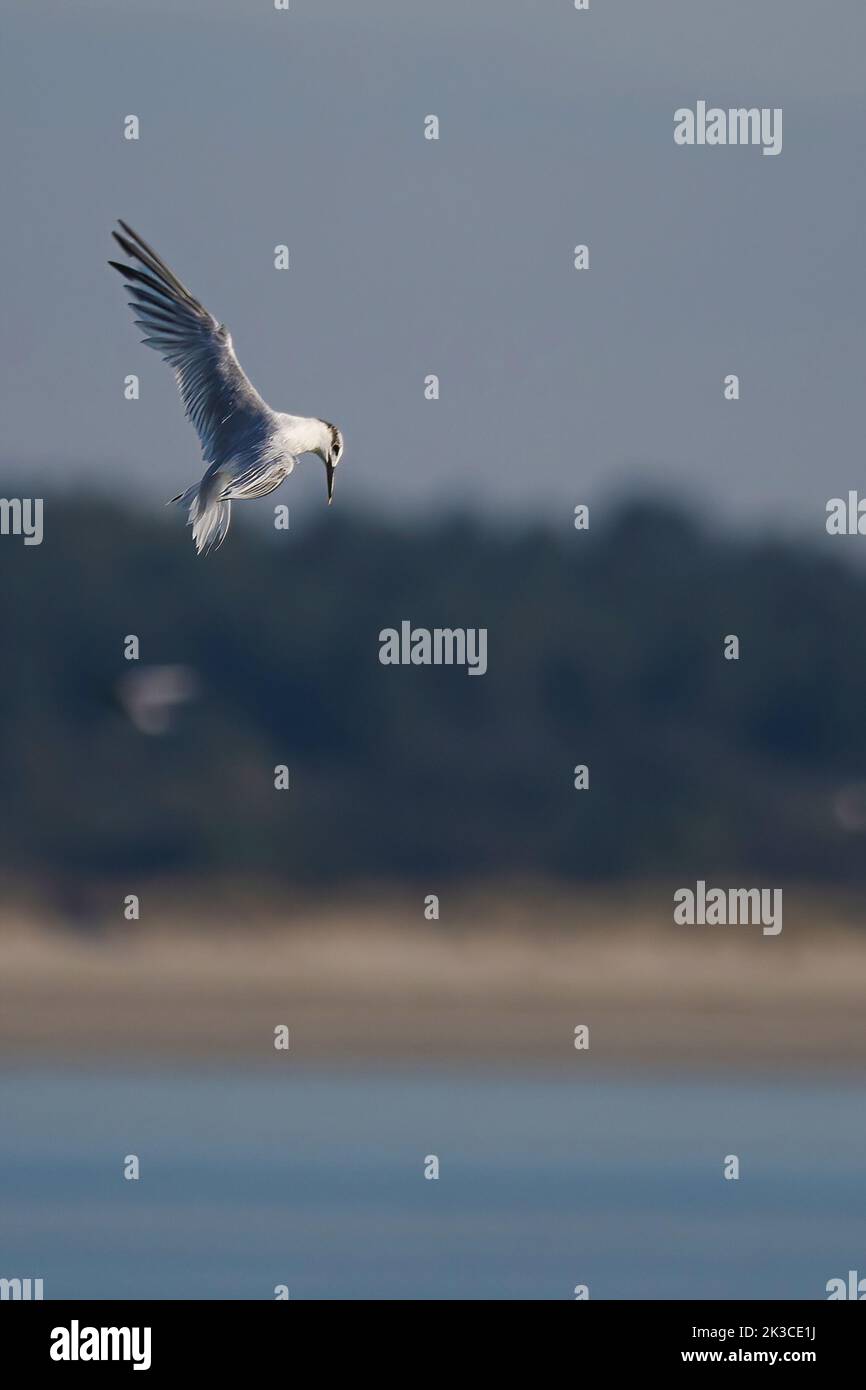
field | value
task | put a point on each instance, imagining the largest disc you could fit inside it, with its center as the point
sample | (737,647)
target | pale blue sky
(454,257)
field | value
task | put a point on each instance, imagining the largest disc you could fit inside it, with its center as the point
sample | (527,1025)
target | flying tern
(248,448)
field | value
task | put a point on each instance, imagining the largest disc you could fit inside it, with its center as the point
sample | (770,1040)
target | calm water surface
(316,1181)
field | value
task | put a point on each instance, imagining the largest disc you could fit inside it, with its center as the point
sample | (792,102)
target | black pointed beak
(330,471)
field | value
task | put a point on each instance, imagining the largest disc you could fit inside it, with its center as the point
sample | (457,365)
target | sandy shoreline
(502,983)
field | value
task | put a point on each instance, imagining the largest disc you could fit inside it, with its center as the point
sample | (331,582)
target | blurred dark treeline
(605,647)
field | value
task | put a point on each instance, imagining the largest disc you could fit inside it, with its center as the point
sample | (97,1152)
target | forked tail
(208,517)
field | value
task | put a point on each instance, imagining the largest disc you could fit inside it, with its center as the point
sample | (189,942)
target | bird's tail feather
(209,517)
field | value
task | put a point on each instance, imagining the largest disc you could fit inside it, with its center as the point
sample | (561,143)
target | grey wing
(256,481)
(227,411)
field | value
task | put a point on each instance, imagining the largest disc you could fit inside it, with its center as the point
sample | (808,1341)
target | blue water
(316,1181)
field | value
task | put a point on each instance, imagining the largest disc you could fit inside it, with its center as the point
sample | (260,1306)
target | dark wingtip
(127,247)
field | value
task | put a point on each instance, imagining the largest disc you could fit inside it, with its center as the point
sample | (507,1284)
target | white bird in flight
(249,448)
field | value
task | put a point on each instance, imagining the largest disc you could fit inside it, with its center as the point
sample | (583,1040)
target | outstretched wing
(228,413)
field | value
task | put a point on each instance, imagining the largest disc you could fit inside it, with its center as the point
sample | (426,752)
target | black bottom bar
(227,1338)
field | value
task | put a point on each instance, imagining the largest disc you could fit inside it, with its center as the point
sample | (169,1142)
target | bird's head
(330,453)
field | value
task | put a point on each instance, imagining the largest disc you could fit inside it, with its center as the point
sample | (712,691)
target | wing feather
(227,411)
(257,481)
